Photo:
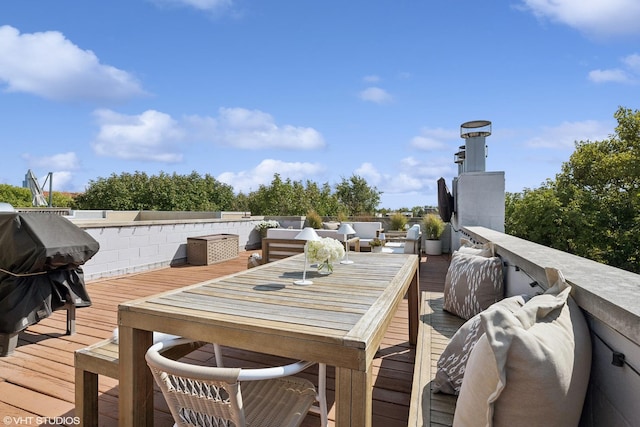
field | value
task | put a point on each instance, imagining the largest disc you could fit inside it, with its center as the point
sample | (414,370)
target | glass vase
(325,268)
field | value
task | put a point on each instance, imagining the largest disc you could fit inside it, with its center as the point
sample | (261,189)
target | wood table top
(339,319)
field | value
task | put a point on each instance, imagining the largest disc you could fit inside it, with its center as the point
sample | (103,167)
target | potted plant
(376,245)
(433,229)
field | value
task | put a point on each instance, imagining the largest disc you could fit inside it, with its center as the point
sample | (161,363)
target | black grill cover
(40,259)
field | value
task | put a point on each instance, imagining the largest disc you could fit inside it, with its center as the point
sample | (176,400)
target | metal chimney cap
(475,128)
(475,124)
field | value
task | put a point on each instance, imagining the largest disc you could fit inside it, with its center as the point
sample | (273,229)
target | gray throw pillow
(472,284)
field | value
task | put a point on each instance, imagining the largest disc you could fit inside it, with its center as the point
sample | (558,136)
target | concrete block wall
(143,245)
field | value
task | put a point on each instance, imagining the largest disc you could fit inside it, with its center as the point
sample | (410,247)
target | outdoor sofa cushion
(531,367)
(472,284)
(366,231)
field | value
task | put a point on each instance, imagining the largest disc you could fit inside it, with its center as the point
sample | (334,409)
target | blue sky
(243,89)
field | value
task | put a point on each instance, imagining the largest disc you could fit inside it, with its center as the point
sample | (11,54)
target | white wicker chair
(218,396)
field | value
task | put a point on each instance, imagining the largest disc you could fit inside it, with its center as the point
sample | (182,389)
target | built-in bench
(102,358)
(274,249)
(436,327)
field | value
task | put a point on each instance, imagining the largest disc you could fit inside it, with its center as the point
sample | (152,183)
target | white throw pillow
(531,367)
(453,360)
(482,249)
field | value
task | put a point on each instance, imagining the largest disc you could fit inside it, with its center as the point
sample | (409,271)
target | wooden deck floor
(37,381)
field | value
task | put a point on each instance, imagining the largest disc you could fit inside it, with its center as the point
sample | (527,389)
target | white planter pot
(433,247)
(376,249)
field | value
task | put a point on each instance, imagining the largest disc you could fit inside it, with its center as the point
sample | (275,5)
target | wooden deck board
(38,381)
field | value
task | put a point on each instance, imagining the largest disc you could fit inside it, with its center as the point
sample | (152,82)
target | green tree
(18,197)
(538,215)
(61,200)
(357,196)
(322,200)
(601,181)
(273,199)
(287,197)
(138,191)
(592,209)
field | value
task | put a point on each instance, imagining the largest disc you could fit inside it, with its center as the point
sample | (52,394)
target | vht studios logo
(40,420)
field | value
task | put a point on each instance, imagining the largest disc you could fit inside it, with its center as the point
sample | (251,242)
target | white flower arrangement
(325,251)
(264,225)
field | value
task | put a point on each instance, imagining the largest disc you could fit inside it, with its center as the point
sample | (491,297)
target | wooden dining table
(338,320)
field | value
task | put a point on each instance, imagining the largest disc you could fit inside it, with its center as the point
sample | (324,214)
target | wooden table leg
(135,382)
(354,397)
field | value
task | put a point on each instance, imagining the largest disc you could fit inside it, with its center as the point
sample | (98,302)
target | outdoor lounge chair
(201,395)
(409,244)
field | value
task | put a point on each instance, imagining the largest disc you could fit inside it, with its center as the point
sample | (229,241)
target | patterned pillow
(453,360)
(541,351)
(472,284)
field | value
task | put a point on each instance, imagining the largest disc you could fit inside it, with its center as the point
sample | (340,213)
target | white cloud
(433,139)
(593,17)
(632,62)
(62,161)
(371,78)
(409,177)
(369,173)
(566,134)
(49,65)
(62,166)
(614,75)
(376,95)
(247,181)
(151,135)
(253,129)
(630,74)
(61,181)
(204,5)
(156,136)
(403,183)
(427,171)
